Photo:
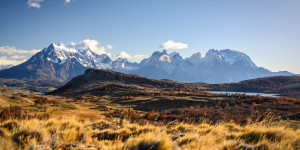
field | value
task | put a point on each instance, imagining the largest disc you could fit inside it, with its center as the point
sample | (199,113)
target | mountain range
(63,62)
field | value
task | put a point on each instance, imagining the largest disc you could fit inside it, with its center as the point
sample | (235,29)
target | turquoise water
(246,93)
(18,87)
(41,94)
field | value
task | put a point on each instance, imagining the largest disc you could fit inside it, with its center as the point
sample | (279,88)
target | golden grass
(6,101)
(73,132)
(80,127)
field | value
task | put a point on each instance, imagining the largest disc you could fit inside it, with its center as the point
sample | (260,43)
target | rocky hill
(95,78)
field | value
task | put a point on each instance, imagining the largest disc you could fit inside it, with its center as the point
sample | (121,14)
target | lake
(18,87)
(246,93)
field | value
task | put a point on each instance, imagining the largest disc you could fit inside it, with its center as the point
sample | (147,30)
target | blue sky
(268,31)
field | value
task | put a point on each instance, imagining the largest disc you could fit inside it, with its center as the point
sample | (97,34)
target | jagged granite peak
(229,57)
(63,62)
(218,66)
(124,65)
(175,57)
(59,62)
(84,55)
(162,57)
(195,58)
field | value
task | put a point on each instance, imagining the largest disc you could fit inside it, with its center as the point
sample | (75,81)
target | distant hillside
(94,78)
(283,85)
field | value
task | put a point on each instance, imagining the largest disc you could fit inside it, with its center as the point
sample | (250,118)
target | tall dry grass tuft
(151,141)
(71,132)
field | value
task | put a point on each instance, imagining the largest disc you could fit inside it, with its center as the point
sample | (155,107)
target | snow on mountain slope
(63,62)
(218,66)
(123,65)
(195,58)
(229,57)
(59,54)
(162,60)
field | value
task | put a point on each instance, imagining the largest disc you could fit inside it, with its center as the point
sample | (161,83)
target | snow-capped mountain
(229,57)
(218,66)
(195,58)
(124,65)
(60,54)
(63,62)
(161,65)
(162,60)
(225,66)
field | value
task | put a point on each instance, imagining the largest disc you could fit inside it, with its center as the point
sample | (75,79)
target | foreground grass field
(72,133)
(85,128)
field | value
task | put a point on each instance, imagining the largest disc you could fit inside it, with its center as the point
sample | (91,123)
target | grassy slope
(10,96)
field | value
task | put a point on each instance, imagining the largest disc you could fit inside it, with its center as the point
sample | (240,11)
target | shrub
(11,125)
(186,141)
(13,112)
(22,138)
(72,135)
(101,125)
(122,135)
(256,136)
(1,133)
(151,144)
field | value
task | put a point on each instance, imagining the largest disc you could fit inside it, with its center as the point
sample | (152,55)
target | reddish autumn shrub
(13,112)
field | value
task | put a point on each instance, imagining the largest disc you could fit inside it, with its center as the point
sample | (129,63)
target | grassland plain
(116,117)
(85,128)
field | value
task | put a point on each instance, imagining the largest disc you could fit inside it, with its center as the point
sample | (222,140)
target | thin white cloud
(34,3)
(139,56)
(173,45)
(5,61)
(12,56)
(10,50)
(123,55)
(102,48)
(37,3)
(17,57)
(94,46)
(109,46)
